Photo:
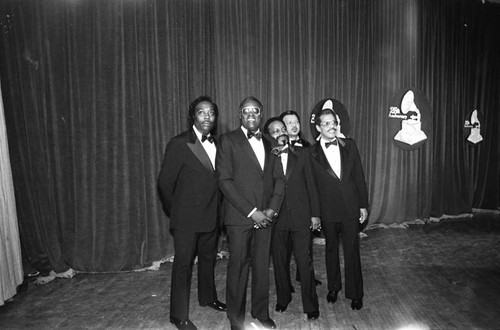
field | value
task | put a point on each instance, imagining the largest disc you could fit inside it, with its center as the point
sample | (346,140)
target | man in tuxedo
(344,202)
(190,197)
(252,183)
(292,228)
(291,120)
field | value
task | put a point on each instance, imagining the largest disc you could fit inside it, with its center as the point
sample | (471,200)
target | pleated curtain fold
(11,268)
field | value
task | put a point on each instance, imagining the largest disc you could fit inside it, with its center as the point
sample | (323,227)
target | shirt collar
(323,141)
(246,131)
(198,134)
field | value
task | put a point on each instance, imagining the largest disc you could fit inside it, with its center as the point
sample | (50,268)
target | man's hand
(315,223)
(269,213)
(363,215)
(260,219)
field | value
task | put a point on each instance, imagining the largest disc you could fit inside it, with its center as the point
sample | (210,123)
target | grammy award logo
(474,125)
(411,125)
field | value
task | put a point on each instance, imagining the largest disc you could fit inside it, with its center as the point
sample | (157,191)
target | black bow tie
(205,137)
(331,143)
(294,142)
(278,151)
(257,135)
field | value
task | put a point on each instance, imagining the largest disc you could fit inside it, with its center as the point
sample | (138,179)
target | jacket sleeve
(167,179)
(278,186)
(359,178)
(225,177)
(312,188)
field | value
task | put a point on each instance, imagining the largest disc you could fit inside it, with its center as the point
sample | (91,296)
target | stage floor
(443,275)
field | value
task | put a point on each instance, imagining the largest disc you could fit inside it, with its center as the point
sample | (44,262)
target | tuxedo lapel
(291,163)
(320,156)
(197,149)
(344,158)
(267,151)
(247,148)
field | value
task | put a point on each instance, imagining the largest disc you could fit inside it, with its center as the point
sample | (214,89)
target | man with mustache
(298,216)
(252,183)
(343,202)
(292,122)
(190,196)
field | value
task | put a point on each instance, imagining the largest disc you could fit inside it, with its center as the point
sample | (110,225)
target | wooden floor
(442,275)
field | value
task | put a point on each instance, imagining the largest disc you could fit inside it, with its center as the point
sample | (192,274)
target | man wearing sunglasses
(252,183)
(343,202)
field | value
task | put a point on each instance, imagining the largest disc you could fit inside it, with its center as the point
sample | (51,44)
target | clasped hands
(315,224)
(262,219)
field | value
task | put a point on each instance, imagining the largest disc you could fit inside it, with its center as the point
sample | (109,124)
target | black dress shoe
(217,305)
(317,282)
(313,315)
(183,324)
(331,297)
(266,323)
(357,304)
(280,308)
(237,327)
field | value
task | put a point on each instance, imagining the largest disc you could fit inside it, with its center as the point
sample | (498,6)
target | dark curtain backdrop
(93,90)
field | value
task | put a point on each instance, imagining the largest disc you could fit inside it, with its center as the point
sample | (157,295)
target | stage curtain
(94,90)
(459,61)
(11,268)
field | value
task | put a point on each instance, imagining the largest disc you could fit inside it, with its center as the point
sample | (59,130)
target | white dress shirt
(209,147)
(333,156)
(257,146)
(284,159)
(260,152)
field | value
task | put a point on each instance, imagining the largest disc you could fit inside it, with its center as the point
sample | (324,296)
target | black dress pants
(187,245)
(348,231)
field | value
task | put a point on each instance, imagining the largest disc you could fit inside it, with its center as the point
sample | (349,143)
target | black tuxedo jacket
(242,181)
(188,185)
(340,198)
(301,200)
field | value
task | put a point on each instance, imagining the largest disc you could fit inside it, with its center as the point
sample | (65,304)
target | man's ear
(318,128)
